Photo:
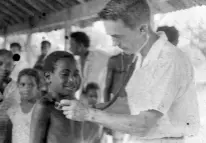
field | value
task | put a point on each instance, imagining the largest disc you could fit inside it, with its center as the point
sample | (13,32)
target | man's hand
(75,110)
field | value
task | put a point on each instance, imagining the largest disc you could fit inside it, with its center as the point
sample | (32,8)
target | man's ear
(144,29)
(47,76)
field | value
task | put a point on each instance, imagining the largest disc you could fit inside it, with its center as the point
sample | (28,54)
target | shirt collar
(155,50)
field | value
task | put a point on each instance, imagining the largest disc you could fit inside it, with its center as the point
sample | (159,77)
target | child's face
(27,87)
(64,79)
(6,66)
(92,96)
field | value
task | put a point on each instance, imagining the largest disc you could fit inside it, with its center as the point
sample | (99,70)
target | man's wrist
(91,114)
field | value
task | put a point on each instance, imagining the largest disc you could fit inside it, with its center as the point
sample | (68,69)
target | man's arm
(138,125)
(39,123)
(108,83)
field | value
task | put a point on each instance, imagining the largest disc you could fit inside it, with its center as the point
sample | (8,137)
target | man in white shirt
(161,93)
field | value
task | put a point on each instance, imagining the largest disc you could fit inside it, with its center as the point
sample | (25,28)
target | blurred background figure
(45,47)
(171,32)
(92,63)
(92,132)
(19,58)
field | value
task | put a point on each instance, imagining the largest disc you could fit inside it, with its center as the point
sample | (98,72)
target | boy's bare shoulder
(45,103)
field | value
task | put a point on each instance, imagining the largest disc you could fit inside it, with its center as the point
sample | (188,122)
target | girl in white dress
(20,114)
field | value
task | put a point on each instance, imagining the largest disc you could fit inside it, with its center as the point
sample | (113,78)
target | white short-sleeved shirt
(165,82)
(95,70)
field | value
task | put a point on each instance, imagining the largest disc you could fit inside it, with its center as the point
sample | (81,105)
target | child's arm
(39,123)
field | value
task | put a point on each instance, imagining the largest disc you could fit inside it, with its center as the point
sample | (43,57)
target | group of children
(35,118)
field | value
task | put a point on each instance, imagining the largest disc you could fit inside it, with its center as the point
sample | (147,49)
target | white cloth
(21,124)
(95,70)
(165,82)
(11,95)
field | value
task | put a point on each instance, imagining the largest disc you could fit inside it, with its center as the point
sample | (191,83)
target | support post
(27,47)
(67,36)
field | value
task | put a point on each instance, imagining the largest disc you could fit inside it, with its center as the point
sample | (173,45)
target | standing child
(49,125)
(91,131)
(28,84)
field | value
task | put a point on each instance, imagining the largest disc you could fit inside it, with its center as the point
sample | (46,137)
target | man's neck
(152,39)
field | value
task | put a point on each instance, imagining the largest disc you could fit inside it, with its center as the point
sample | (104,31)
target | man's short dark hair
(132,12)
(29,72)
(4,52)
(81,37)
(171,32)
(91,86)
(51,59)
(15,45)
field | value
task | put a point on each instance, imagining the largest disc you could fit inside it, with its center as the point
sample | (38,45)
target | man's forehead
(116,27)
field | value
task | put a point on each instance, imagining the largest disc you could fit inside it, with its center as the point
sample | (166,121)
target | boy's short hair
(4,52)
(90,86)
(133,13)
(51,59)
(81,37)
(15,45)
(29,72)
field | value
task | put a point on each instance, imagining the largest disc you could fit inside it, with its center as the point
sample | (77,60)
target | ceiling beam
(61,3)
(23,8)
(12,15)
(47,4)
(72,15)
(81,1)
(11,8)
(34,5)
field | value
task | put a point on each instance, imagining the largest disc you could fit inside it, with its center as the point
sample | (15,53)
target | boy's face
(92,96)
(15,50)
(6,66)
(27,87)
(65,78)
(45,48)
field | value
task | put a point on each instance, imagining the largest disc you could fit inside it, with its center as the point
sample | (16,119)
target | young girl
(28,84)
(49,125)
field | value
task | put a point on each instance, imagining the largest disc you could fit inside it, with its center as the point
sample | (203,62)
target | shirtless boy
(48,124)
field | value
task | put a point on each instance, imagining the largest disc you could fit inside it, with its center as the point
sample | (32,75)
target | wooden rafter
(61,2)
(11,8)
(81,1)
(47,4)
(10,14)
(34,5)
(23,8)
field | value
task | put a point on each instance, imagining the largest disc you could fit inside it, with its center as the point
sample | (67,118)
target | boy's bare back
(49,125)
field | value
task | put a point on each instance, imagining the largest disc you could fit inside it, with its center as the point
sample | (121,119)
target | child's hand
(75,110)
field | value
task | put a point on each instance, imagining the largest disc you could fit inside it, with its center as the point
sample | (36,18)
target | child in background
(28,84)
(43,85)
(49,125)
(92,132)
(6,66)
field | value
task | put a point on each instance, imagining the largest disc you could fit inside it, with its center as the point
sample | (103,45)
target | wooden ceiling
(18,15)
(14,12)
